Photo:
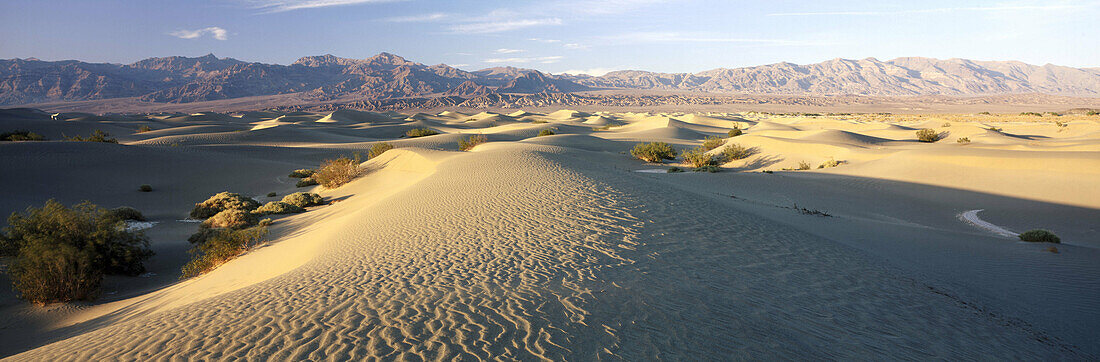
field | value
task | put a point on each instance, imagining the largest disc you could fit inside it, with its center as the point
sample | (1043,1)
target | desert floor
(557,247)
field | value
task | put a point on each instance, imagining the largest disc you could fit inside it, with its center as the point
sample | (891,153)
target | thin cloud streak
(276,6)
(936,10)
(214,31)
(658,37)
(544,60)
(502,26)
(418,18)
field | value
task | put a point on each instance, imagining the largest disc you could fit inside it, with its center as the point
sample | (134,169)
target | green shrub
(471,142)
(734,152)
(231,219)
(301,173)
(545,132)
(963,140)
(378,149)
(21,135)
(707,168)
(803,165)
(277,207)
(736,131)
(219,247)
(1040,236)
(272,194)
(711,143)
(927,135)
(420,132)
(653,152)
(97,136)
(1091,113)
(145,188)
(698,157)
(674,169)
(306,182)
(337,172)
(61,253)
(303,199)
(127,213)
(221,202)
(144,129)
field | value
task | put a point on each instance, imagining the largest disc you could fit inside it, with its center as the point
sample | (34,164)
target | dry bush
(963,140)
(735,152)
(144,129)
(306,182)
(420,132)
(145,188)
(219,247)
(221,202)
(707,168)
(736,131)
(337,172)
(304,199)
(471,142)
(21,135)
(127,213)
(830,163)
(1039,236)
(378,149)
(301,173)
(278,207)
(803,165)
(927,135)
(711,143)
(545,132)
(231,219)
(653,152)
(698,157)
(97,136)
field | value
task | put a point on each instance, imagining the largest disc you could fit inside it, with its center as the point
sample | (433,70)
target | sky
(575,36)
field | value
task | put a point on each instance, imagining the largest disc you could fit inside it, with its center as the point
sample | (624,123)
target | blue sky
(555,35)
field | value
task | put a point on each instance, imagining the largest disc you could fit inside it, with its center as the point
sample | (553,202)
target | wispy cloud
(485,27)
(544,60)
(275,6)
(509,51)
(545,40)
(935,10)
(661,37)
(574,46)
(595,72)
(424,18)
(214,31)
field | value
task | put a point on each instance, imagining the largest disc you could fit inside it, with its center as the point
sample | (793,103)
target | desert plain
(839,236)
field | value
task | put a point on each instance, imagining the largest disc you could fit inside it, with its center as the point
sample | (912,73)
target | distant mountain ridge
(387,76)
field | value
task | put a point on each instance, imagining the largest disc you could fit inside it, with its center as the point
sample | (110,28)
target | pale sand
(552,248)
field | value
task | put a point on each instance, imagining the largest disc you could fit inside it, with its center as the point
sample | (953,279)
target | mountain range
(388,76)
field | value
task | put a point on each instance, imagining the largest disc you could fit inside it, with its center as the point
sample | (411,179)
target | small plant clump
(805,211)
(306,182)
(219,247)
(545,132)
(278,207)
(946,124)
(301,173)
(1036,114)
(231,219)
(97,136)
(653,152)
(221,202)
(337,172)
(830,163)
(803,165)
(927,135)
(674,169)
(304,199)
(711,143)
(707,168)
(736,131)
(698,157)
(145,188)
(144,129)
(378,149)
(985,113)
(420,132)
(963,140)
(995,129)
(265,222)
(1040,236)
(735,152)
(1091,113)
(471,142)
(21,135)
(127,213)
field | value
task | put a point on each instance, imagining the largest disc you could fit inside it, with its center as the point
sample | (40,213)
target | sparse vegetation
(698,157)
(736,131)
(337,172)
(995,129)
(420,132)
(1060,124)
(707,168)
(306,182)
(265,222)
(231,219)
(302,173)
(653,152)
(127,213)
(803,165)
(674,169)
(471,142)
(963,140)
(1040,236)
(927,135)
(145,188)
(97,136)
(61,253)
(946,124)
(221,202)
(545,132)
(830,163)
(985,113)
(21,135)
(378,149)
(711,143)
(272,194)
(805,211)
(734,152)
(1091,113)
(219,247)
(144,129)
(1036,114)
(277,207)
(304,199)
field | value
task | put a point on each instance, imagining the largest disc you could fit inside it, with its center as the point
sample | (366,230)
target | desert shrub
(471,142)
(736,131)
(306,182)
(97,136)
(378,149)
(984,113)
(711,143)
(127,213)
(337,172)
(61,253)
(1040,236)
(21,135)
(221,202)
(231,219)
(265,222)
(735,152)
(219,247)
(963,140)
(304,199)
(1036,114)
(545,132)
(420,132)
(829,163)
(1060,123)
(144,129)
(1091,113)
(145,188)
(946,124)
(278,207)
(803,165)
(301,173)
(707,168)
(653,152)
(698,157)
(674,169)
(995,129)
(272,194)
(927,135)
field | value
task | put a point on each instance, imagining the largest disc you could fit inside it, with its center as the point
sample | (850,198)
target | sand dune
(552,248)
